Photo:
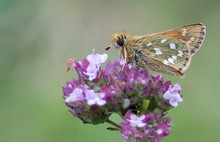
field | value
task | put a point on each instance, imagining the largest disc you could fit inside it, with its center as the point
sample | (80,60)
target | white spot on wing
(165,62)
(184,32)
(149,44)
(188,42)
(180,53)
(157,51)
(171,60)
(174,57)
(163,40)
(192,38)
(172,46)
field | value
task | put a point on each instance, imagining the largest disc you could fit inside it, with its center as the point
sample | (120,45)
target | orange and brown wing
(172,49)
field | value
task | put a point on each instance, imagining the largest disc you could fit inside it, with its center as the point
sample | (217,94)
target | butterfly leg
(125,57)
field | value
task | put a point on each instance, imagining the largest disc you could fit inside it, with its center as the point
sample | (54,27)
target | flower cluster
(142,100)
(147,127)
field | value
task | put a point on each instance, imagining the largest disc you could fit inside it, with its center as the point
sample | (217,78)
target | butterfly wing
(171,51)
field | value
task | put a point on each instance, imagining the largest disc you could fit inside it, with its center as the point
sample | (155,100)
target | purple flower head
(141,99)
(129,129)
(173,95)
(156,127)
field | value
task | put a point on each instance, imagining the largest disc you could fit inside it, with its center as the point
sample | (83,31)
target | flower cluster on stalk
(142,100)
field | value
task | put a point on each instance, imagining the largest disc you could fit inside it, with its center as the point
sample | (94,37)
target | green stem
(113,123)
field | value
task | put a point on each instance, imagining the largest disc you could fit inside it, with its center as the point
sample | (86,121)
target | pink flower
(95,61)
(95,98)
(137,121)
(76,95)
(173,95)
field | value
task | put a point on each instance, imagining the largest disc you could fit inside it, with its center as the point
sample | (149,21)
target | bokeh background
(38,36)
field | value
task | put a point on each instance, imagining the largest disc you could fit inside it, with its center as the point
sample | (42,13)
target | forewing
(174,48)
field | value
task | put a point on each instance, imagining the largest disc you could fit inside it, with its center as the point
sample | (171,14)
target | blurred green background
(38,36)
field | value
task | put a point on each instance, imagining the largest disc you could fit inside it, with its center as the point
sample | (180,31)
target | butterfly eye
(120,41)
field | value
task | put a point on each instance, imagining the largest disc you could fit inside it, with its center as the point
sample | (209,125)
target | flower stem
(113,123)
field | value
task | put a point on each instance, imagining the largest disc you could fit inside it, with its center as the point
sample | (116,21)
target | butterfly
(168,52)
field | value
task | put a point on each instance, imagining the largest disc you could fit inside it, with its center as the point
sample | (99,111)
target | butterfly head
(118,40)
